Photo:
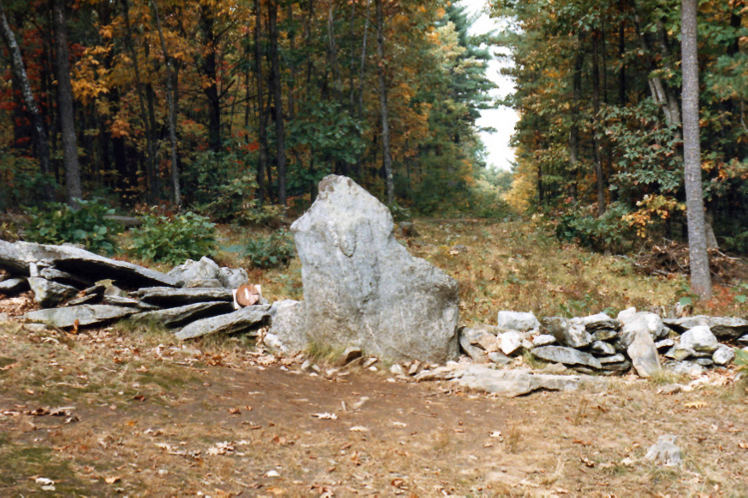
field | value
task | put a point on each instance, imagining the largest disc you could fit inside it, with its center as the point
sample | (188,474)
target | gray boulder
(182,315)
(569,332)
(241,320)
(231,278)
(600,321)
(286,333)
(169,296)
(85,314)
(721,327)
(665,452)
(723,355)
(699,338)
(49,293)
(633,321)
(565,355)
(12,286)
(643,354)
(602,348)
(362,288)
(207,273)
(17,257)
(517,320)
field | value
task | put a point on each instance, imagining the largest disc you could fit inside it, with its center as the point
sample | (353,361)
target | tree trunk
(209,68)
(277,99)
(65,105)
(171,97)
(596,109)
(699,259)
(261,114)
(386,155)
(576,95)
(41,142)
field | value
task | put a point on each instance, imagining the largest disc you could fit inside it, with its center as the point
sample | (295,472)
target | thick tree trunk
(171,98)
(261,114)
(277,99)
(65,106)
(386,155)
(41,141)
(699,259)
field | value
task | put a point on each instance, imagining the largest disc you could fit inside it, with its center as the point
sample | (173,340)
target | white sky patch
(499,154)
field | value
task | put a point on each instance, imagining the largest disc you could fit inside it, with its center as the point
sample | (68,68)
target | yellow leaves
(652,207)
(120,128)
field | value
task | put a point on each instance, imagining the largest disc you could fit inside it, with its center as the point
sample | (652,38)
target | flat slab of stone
(517,382)
(13,286)
(240,320)
(721,326)
(182,315)
(170,296)
(566,355)
(85,314)
(362,288)
(16,257)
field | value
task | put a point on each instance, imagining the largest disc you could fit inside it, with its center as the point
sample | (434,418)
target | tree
(699,259)
(383,106)
(41,141)
(65,105)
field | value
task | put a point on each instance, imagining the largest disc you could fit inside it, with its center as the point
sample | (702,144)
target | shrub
(175,239)
(86,225)
(608,232)
(277,249)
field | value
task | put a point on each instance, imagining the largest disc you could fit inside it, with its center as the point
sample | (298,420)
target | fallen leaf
(587,462)
(325,416)
(235,411)
(113,479)
(695,404)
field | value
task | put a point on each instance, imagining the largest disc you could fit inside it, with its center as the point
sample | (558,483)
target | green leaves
(86,225)
(277,249)
(173,240)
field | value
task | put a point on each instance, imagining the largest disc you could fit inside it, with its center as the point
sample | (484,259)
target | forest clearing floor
(130,410)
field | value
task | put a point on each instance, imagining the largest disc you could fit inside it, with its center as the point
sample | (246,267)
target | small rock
(475,353)
(510,342)
(543,340)
(369,361)
(723,355)
(604,335)
(600,321)
(664,343)
(414,367)
(49,293)
(665,452)
(603,348)
(679,353)
(351,353)
(397,369)
(517,320)
(699,338)
(12,286)
(616,358)
(704,362)
(685,368)
(499,358)
(743,339)
(570,333)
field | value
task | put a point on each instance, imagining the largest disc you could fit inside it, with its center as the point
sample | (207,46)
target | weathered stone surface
(207,273)
(616,358)
(231,278)
(723,355)
(510,342)
(85,314)
(721,327)
(704,362)
(498,357)
(362,288)
(743,339)
(699,338)
(513,382)
(12,286)
(685,368)
(517,320)
(182,315)
(679,353)
(116,300)
(570,333)
(665,452)
(565,355)
(600,321)
(59,276)
(602,348)
(240,320)
(643,354)
(604,335)
(49,293)
(287,333)
(543,340)
(169,296)
(664,343)
(633,321)
(17,257)
(476,353)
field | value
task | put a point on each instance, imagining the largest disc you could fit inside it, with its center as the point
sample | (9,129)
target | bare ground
(130,411)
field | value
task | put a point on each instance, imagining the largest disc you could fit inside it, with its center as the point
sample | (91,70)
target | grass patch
(664,377)
(20,463)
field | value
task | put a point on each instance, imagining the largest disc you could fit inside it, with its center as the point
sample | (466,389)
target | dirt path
(160,419)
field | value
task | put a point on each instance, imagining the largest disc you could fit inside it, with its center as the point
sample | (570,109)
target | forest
(235,110)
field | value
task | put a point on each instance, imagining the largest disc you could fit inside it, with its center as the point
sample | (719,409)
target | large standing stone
(362,288)
(635,321)
(85,314)
(643,354)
